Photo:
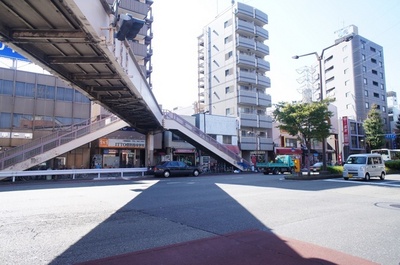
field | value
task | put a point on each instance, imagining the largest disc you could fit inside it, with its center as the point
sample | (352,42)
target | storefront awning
(184,151)
(287,151)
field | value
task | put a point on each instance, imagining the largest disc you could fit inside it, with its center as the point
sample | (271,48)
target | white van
(364,166)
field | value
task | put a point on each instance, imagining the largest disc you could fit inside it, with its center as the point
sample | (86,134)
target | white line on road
(387,183)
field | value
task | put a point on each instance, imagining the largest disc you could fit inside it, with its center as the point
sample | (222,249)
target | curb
(313,177)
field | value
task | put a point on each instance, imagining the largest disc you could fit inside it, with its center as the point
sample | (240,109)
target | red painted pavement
(241,248)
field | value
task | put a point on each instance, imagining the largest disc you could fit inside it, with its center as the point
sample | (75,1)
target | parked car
(316,167)
(175,168)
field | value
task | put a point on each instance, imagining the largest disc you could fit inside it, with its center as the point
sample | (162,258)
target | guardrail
(73,173)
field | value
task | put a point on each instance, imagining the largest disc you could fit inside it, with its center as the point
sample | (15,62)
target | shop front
(185,155)
(120,153)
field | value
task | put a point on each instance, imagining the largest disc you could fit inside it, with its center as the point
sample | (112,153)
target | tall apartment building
(354,75)
(232,75)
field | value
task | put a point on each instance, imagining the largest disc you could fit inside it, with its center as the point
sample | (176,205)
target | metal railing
(172,116)
(97,173)
(40,145)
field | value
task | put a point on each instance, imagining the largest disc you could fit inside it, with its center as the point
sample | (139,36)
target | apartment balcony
(249,45)
(247,97)
(254,98)
(263,81)
(248,143)
(140,50)
(261,49)
(136,8)
(260,17)
(253,78)
(249,13)
(264,100)
(244,60)
(255,121)
(262,65)
(265,121)
(261,34)
(245,43)
(244,27)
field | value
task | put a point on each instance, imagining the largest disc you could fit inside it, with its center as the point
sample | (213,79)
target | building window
(365,81)
(375,83)
(228,55)
(366,105)
(374,72)
(376,95)
(383,97)
(6,87)
(346,83)
(363,57)
(228,111)
(380,64)
(381,75)
(384,121)
(348,106)
(228,39)
(364,69)
(345,59)
(227,23)
(373,60)
(228,72)
(227,139)
(382,86)
(345,71)
(383,109)
(372,49)
(366,93)
(228,89)
(5,120)
(362,44)
(380,53)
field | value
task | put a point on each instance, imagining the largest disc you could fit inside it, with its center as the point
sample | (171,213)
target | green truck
(282,164)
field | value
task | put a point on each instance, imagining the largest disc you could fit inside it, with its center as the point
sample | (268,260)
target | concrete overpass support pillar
(149,149)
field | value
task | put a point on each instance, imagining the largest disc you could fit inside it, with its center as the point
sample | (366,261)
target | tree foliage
(373,127)
(397,131)
(307,120)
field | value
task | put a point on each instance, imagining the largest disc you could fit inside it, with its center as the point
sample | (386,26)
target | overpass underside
(74,40)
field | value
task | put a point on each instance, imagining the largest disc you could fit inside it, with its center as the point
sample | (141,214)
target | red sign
(345,131)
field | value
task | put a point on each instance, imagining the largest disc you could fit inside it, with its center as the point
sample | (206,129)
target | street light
(319,59)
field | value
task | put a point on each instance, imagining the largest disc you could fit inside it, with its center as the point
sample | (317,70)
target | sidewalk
(241,248)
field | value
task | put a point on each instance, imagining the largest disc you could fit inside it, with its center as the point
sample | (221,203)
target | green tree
(373,127)
(397,131)
(308,121)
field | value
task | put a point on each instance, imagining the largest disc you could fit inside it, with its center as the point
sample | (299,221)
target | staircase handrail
(173,116)
(37,146)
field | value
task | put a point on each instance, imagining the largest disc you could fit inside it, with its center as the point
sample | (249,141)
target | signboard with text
(10,53)
(345,131)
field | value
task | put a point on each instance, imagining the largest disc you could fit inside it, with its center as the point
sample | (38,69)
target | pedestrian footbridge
(76,41)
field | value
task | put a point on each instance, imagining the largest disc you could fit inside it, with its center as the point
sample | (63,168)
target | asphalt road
(52,222)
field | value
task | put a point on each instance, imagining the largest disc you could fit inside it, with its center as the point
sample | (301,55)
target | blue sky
(295,27)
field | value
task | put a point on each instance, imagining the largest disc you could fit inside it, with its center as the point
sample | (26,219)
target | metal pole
(319,58)
(321,99)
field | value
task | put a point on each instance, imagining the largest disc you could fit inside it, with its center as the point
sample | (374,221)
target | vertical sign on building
(345,131)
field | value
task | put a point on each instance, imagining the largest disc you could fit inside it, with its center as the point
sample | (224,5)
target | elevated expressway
(74,40)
